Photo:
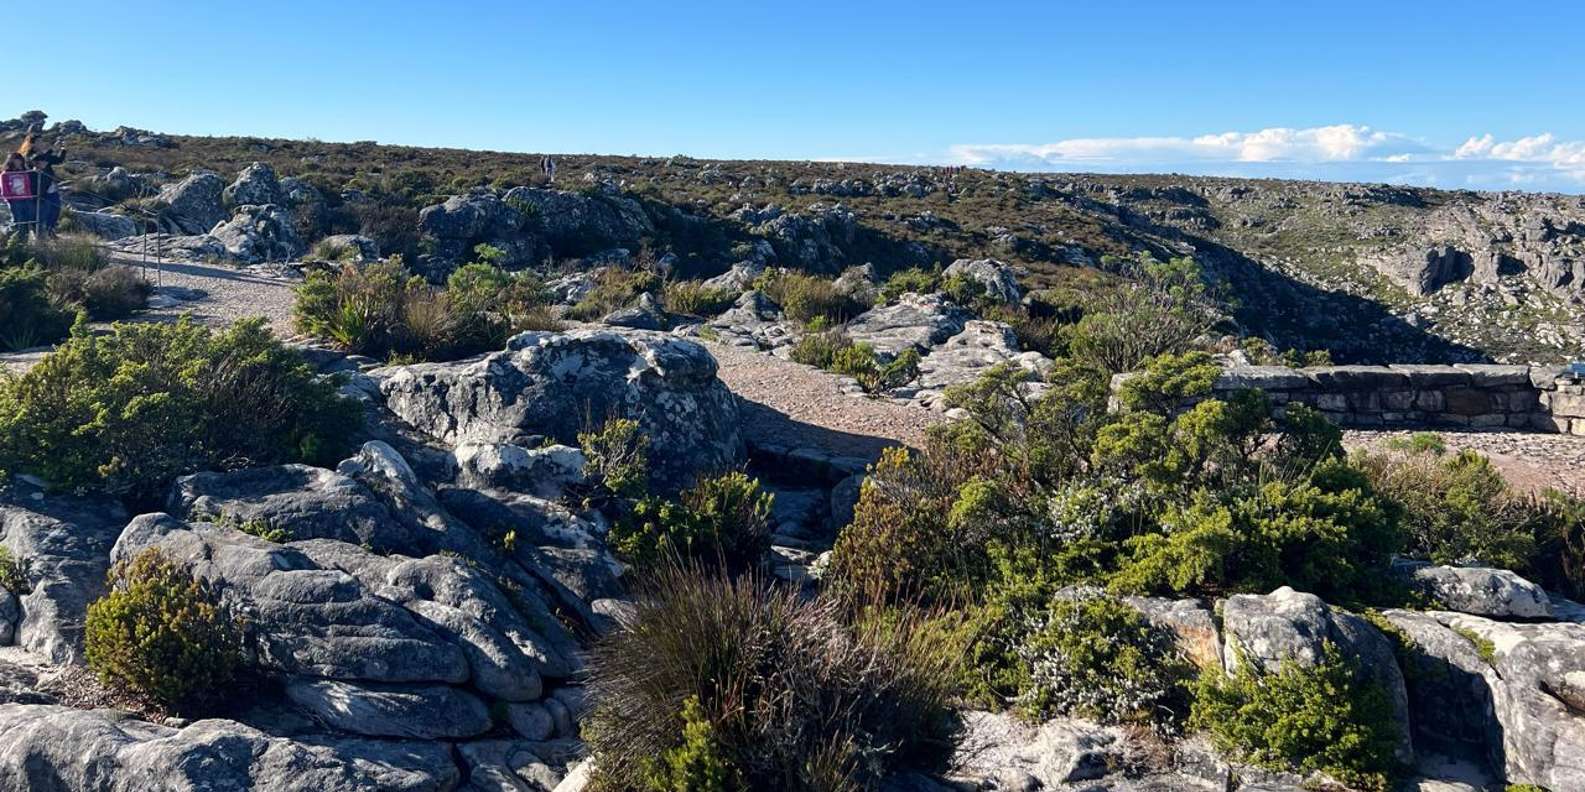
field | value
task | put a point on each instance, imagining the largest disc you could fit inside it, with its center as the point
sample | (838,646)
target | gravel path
(224,295)
(794,405)
(1529,461)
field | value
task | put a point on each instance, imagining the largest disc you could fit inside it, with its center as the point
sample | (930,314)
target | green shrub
(1161,308)
(1419,443)
(698,763)
(819,349)
(796,695)
(130,411)
(806,298)
(162,635)
(696,299)
(722,521)
(14,573)
(860,362)
(335,251)
(616,458)
(614,289)
(1080,655)
(1459,509)
(1323,718)
(913,279)
(382,309)
(28,317)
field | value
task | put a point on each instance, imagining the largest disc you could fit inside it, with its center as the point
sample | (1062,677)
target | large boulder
(256,185)
(817,239)
(302,619)
(453,229)
(260,233)
(998,279)
(45,748)
(1266,630)
(964,357)
(645,314)
(1481,591)
(579,224)
(552,384)
(1515,691)
(65,542)
(919,321)
(194,203)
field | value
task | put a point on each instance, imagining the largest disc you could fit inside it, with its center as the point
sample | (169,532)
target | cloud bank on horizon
(1341,152)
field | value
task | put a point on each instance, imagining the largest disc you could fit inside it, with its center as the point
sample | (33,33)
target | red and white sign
(16,185)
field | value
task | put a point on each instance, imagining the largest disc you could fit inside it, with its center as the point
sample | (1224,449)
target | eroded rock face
(256,185)
(576,224)
(45,748)
(66,543)
(550,384)
(106,225)
(455,227)
(194,203)
(998,279)
(301,501)
(1518,690)
(421,712)
(816,239)
(1286,625)
(981,345)
(914,321)
(259,233)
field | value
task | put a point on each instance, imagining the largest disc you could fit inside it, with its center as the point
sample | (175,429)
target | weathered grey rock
(1267,629)
(739,277)
(519,765)
(569,289)
(354,248)
(917,321)
(544,472)
(422,712)
(530,720)
(645,314)
(298,192)
(844,498)
(194,203)
(533,520)
(10,612)
(65,542)
(550,383)
(1266,378)
(1481,591)
(964,357)
(1013,755)
(256,185)
(112,186)
(999,280)
(817,239)
(303,502)
(259,233)
(578,224)
(47,748)
(302,619)
(105,225)
(454,228)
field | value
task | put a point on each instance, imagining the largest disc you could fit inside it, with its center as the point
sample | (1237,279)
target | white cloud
(1341,151)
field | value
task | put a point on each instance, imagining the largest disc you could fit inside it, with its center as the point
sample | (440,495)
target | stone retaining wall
(1533,398)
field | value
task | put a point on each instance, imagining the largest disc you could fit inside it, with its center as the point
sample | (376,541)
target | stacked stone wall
(1533,398)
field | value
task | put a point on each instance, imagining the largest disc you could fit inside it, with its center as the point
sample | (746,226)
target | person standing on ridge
(547,164)
(19,181)
(48,190)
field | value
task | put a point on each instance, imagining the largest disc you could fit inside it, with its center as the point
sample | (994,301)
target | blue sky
(1385,90)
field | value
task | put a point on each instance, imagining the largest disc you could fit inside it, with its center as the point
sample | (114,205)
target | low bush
(28,317)
(162,635)
(14,573)
(722,522)
(616,457)
(1079,654)
(694,298)
(902,282)
(382,309)
(728,683)
(820,348)
(615,288)
(860,362)
(106,294)
(1322,718)
(1158,308)
(129,411)
(806,298)
(1458,509)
